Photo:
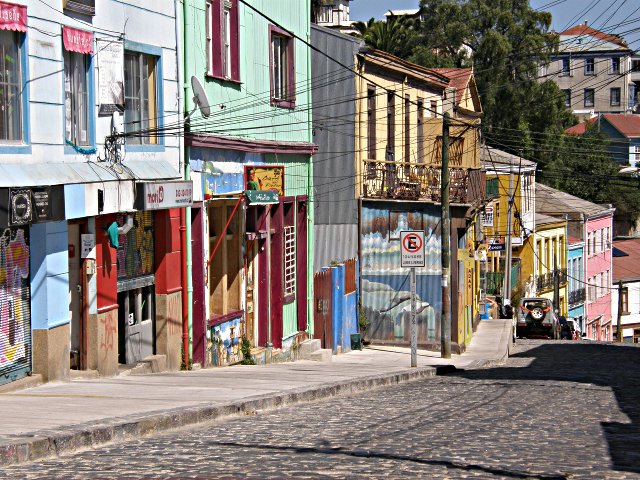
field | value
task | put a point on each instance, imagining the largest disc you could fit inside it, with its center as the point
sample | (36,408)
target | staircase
(150,364)
(311,350)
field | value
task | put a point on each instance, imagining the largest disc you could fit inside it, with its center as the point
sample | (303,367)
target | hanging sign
(13,17)
(412,248)
(486,218)
(263,177)
(79,41)
(110,76)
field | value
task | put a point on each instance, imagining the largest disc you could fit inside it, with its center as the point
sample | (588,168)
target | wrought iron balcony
(415,181)
(577,296)
(545,281)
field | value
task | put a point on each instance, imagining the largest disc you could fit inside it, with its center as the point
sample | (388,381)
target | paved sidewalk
(55,418)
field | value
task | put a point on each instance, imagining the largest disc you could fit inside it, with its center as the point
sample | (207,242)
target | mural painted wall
(14,298)
(386,288)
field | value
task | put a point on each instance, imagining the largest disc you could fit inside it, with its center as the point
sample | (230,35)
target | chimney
(586,23)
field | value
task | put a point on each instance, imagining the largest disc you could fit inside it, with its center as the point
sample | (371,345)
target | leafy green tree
(397,35)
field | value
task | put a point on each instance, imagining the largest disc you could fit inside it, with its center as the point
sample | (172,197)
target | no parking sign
(412,248)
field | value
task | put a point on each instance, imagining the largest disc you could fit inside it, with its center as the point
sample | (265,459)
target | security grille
(289,260)
(135,249)
(15,312)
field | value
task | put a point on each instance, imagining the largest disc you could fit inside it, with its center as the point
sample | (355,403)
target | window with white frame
(76,98)
(592,289)
(565,68)
(615,65)
(614,97)
(140,98)
(590,66)
(10,87)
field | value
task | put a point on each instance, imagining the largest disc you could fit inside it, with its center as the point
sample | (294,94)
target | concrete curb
(51,443)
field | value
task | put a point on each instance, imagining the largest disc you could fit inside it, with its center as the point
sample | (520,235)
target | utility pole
(414,329)
(620,304)
(445,321)
(506,294)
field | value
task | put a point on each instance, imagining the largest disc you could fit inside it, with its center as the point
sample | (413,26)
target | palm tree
(394,35)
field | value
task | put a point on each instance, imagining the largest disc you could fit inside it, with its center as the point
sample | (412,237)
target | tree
(505,41)
(396,35)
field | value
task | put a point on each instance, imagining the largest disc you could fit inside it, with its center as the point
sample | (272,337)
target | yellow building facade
(551,259)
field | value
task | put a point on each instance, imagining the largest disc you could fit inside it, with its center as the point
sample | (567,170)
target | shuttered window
(223,39)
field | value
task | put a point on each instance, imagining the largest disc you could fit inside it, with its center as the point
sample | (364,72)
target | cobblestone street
(555,410)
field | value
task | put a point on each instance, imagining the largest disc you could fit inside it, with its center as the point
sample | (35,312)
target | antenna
(199,98)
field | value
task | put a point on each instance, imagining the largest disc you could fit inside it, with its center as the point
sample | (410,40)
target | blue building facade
(576,281)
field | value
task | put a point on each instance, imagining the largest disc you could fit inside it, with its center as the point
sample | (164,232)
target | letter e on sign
(412,248)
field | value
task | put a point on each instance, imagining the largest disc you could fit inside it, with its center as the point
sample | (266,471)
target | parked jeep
(536,318)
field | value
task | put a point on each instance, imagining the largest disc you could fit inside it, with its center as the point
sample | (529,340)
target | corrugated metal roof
(542,219)
(554,202)
(627,267)
(492,159)
(22,175)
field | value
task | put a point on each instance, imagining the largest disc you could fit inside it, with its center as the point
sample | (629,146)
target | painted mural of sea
(428,287)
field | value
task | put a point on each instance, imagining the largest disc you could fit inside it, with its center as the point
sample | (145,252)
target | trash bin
(356,341)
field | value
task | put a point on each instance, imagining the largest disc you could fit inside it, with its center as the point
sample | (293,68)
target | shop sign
(161,195)
(261,197)
(486,218)
(496,244)
(13,17)
(262,177)
(25,205)
(79,41)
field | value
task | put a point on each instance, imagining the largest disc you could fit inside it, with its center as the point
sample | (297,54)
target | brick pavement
(554,410)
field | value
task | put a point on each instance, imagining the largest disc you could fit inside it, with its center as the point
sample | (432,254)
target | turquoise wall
(247,111)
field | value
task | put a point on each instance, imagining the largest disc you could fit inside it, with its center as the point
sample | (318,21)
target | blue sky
(574,11)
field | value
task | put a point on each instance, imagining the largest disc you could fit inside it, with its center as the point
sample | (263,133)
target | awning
(18,174)
(79,41)
(261,197)
(13,17)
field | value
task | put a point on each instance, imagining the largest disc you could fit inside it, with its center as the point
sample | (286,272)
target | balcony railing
(545,281)
(415,181)
(577,296)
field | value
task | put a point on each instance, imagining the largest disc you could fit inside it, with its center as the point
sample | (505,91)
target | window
(589,66)
(625,301)
(407,135)
(615,65)
(434,108)
(10,88)
(567,97)
(289,257)
(420,132)
(140,92)
(588,97)
(592,289)
(76,98)
(543,69)
(282,69)
(371,124)
(565,69)
(222,39)
(391,120)
(615,97)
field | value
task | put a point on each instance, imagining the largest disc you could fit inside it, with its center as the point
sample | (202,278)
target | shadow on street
(607,365)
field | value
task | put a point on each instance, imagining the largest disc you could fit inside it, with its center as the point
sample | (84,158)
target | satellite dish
(200,97)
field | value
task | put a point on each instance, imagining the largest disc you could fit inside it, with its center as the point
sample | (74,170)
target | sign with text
(486,218)
(87,246)
(258,197)
(110,76)
(496,244)
(161,195)
(412,248)
(263,177)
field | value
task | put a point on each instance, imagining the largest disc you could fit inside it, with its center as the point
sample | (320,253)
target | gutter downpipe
(310,201)
(185,213)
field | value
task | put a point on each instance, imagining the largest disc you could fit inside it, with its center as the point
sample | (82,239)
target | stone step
(322,355)
(307,347)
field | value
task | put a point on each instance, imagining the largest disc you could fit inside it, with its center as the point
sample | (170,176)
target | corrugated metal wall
(333,93)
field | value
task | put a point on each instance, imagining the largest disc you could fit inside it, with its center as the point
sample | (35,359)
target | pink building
(592,224)
(599,267)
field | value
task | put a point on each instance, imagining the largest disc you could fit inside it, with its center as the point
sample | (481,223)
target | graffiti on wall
(222,170)
(135,248)
(14,297)
(108,335)
(386,289)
